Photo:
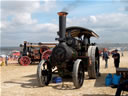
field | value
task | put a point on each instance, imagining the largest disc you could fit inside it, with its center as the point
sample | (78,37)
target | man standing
(105,57)
(116,57)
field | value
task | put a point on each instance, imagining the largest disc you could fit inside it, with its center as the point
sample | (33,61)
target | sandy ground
(16,80)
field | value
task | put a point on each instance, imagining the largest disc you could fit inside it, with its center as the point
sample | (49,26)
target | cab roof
(76,31)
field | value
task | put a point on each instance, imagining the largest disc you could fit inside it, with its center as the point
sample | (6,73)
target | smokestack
(62,25)
(25,47)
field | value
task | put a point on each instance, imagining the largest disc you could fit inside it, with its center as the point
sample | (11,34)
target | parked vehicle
(72,56)
(34,52)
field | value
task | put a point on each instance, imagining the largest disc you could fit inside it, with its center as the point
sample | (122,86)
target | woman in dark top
(116,57)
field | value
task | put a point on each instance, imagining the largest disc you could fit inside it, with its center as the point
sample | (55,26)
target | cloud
(16,7)
(18,25)
(93,18)
(24,9)
(110,27)
(126,8)
(48,5)
(14,13)
(23,18)
(32,33)
(124,5)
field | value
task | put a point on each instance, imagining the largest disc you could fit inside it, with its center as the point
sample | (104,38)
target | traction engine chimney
(62,25)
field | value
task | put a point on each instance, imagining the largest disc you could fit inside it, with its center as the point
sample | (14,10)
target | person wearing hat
(116,57)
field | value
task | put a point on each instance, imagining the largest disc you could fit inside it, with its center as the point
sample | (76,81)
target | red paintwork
(46,54)
(25,60)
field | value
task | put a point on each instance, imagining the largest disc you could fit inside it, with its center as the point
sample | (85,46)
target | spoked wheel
(78,74)
(24,60)
(94,66)
(44,73)
(46,54)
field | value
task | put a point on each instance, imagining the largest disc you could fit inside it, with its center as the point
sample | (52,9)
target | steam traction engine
(34,52)
(72,56)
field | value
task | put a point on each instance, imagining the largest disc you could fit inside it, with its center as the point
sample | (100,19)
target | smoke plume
(71,6)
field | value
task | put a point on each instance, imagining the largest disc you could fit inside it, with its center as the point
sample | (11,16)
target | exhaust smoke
(71,6)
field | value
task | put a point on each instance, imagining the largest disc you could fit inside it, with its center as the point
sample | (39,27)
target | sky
(37,20)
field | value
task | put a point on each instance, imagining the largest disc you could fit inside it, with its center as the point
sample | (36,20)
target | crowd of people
(122,86)
(4,60)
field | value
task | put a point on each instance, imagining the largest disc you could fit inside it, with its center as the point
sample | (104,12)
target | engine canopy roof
(76,31)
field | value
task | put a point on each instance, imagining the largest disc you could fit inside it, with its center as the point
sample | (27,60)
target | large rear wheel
(94,66)
(44,73)
(78,74)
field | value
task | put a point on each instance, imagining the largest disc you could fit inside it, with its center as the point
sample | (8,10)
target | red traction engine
(35,52)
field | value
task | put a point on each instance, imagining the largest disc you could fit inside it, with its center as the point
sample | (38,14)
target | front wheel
(24,60)
(78,74)
(44,73)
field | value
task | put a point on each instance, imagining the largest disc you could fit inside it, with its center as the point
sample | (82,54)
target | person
(122,53)
(122,87)
(105,57)
(2,63)
(116,57)
(6,60)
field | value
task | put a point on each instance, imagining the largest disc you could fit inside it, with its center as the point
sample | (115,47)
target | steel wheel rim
(47,73)
(80,75)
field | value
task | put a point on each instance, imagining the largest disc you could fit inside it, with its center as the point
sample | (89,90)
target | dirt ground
(16,80)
